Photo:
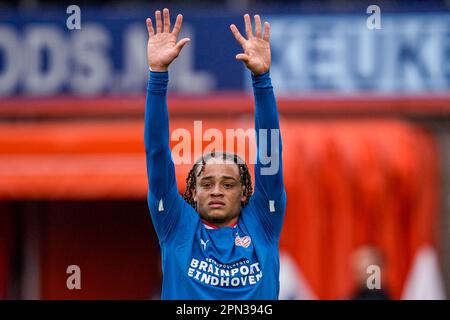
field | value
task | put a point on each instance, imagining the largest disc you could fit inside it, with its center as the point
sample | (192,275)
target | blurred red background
(75,187)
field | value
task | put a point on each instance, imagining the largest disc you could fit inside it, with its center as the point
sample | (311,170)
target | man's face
(218,192)
(362,258)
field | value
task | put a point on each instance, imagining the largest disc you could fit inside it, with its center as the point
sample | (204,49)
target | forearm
(268,168)
(160,167)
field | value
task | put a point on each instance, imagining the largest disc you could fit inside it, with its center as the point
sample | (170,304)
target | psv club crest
(243,242)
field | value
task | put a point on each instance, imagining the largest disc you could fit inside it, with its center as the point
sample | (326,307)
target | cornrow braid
(197,168)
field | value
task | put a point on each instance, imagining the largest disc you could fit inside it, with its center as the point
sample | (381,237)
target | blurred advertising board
(311,54)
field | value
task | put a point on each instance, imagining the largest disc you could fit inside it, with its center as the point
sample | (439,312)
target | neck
(214,224)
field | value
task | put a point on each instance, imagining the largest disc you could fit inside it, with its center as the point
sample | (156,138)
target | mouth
(216,204)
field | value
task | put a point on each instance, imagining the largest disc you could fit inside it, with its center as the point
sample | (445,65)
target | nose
(216,191)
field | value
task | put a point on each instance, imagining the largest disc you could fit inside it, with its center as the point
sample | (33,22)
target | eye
(206,185)
(228,185)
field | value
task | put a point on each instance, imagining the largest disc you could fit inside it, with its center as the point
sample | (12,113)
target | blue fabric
(239,262)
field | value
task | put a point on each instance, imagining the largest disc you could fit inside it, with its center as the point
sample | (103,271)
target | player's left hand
(256,47)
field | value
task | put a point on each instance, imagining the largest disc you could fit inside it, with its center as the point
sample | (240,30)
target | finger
(242,57)
(182,43)
(248,26)
(177,27)
(266,31)
(158,21)
(150,30)
(257,26)
(237,34)
(166,20)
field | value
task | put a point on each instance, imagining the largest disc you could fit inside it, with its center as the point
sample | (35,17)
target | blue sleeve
(269,197)
(164,201)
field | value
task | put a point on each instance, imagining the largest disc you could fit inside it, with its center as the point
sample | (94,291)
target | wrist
(262,81)
(261,74)
(158,68)
(157,81)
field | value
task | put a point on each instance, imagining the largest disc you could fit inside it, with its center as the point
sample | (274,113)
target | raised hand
(162,46)
(256,47)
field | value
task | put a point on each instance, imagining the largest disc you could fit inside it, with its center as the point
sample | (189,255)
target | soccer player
(221,240)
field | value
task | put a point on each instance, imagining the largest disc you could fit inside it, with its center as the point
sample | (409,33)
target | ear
(194,194)
(243,197)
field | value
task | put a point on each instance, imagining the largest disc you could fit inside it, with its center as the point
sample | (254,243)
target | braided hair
(197,168)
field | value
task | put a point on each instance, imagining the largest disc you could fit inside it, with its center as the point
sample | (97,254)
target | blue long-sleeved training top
(199,262)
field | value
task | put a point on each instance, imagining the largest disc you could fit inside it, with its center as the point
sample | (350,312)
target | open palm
(256,47)
(162,46)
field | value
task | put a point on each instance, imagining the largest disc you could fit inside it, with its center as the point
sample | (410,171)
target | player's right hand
(162,46)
